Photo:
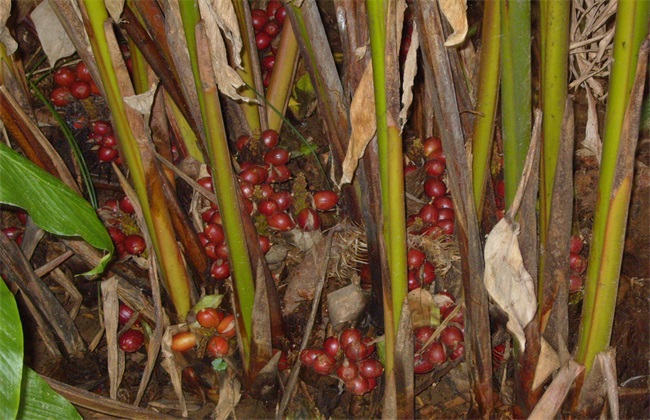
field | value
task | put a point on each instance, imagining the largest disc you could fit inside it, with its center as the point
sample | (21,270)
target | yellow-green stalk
(280,85)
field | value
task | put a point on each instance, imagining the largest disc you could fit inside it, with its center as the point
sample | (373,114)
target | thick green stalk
(515,90)
(611,206)
(190,16)
(555,64)
(154,211)
(138,63)
(486,103)
(188,137)
(280,85)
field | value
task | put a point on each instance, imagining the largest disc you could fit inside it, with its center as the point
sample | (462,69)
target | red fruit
(422,364)
(308,356)
(413,281)
(207,215)
(227,326)
(112,205)
(281,173)
(332,347)
(445,312)
(280,221)
(349,336)
(268,62)
(221,251)
(247,189)
(265,243)
(125,314)
(109,140)
(500,188)
(106,154)
(347,371)
(126,206)
(440,155)
(259,18)
(578,263)
(324,364)
(355,351)
(277,156)
(214,232)
(61,96)
(445,214)
(409,168)
(117,236)
(220,269)
(371,368)
(272,28)
(272,7)
(211,250)
(283,363)
(429,214)
(281,15)
(435,353)
(451,336)
(134,244)
(83,73)
(209,317)
(422,335)
(262,40)
(242,142)
(80,90)
(444,300)
(64,76)
(308,220)
(266,191)
(431,231)
(205,182)
(267,207)
(444,202)
(358,386)
(216,218)
(252,174)
(183,341)
(370,346)
(427,273)
(415,258)
(217,346)
(94,90)
(283,198)
(431,145)
(203,239)
(131,340)
(270,138)
(576,244)
(325,200)
(459,351)
(434,187)
(575,283)
(434,167)
(22,216)
(447,226)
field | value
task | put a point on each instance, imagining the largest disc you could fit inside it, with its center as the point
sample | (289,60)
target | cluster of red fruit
(213,238)
(15,233)
(449,344)
(132,339)
(350,356)
(578,264)
(104,141)
(256,182)
(133,244)
(437,215)
(407,33)
(72,84)
(268,25)
(221,326)
(421,272)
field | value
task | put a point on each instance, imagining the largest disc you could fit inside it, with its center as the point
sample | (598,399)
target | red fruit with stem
(324,364)
(217,346)
(422,335)
(126,206)
(325,200)
(64,76)
(434,187)
(280,221)
(347,371)
(205,182)
(349,336)
(415,258)
(282,173)
(221,251)
(109,140)
(227,326)
(61,96)
(308,220)
(83,73)
(358,386)
(444,202)
(270,138)
(422,364)
(220,269)
(308,356)
(259,18)
(431,145)
(578,263)
(447,226)
(451,336)
(101,128)
(134,244)
(371,368)
(268,62)
(209,317)
(106,154)
(356,351)
(131,340)
(265,243)
(80,90)
(281,15)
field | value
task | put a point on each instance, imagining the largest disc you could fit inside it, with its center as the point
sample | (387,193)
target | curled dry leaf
(362,122)
(142,102)
(552,400)
(424,311)
(507,280)
(592,143)
(216,15)
(5,37)
(454,11)
(548,361)
(54,39)
(410,70)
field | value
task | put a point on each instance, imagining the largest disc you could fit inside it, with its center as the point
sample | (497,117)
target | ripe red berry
(227,326)
(459,351)
(435,353)
(349,336)
(109,140)
(268,62)
(80,90)
(434,167)
(125,314)
(358,386)
(434,187)
(262,40)
(265,243)
(578,263)
(324,364)
(183,341)
(422,364)
(281,15)
(61,96)
(308,356)
(415,258)
(444,202)
(283,198)
(280,221)
(267,207)
(126,206)
(332,346)
(131,340)
(270,138)
(277,156)
(447,226)
(205,182)
(214,232)
(217,346)
(220,269)
(106,154)
(427,273)
(451,336)
(259,18)
(347,371)
(371,368)
(209,317)
(308,220)
(422,335)
(83,73)
(413,280)
(429,214)
(430,145)
(576,244)
(272,7)
(325,200)
(134,244)
(445,214)
(64,76)
(272,28)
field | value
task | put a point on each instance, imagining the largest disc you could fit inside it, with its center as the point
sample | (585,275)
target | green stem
(280,85)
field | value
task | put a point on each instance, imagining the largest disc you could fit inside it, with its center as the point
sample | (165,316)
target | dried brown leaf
(362,122)
(547,363)
(5,37)
(592,143)
(410,70)
(54,39)
(116,361)
(454,11)
(115,8)
(551,402)
(424,311)
(143,102)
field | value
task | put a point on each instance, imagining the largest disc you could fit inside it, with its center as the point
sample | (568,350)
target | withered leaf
(454,11)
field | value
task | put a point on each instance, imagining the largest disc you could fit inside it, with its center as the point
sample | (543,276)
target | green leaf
(219,364)
(40,401)
(52,205)
(11,354)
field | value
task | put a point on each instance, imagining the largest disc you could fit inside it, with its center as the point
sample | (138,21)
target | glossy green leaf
(52,205)
(11,354)
(40,401)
